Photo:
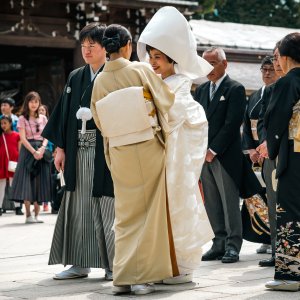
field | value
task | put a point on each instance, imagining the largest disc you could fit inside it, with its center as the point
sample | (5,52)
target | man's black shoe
(19,211)
(212,255)
(230,256)
(270,262)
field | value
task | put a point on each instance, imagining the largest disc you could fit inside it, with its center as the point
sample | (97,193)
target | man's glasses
(265,70)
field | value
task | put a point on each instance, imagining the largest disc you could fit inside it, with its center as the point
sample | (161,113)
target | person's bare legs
(27,208)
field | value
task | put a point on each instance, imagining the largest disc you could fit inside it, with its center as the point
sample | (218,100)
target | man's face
(6,109)
(268,74)
(218,64)
(92,52)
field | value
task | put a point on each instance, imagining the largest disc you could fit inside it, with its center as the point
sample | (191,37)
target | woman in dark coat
(282,121)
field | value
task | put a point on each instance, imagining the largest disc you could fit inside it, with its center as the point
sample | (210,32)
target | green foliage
(282,13)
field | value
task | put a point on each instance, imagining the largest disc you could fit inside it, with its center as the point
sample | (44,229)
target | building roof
(235,35)
(244,44)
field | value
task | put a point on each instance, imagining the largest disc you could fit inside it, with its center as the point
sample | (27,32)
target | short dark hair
(149,48)
(92,31)
(290,46)
(266,61)
(5,117)
(115,37)
(9,101)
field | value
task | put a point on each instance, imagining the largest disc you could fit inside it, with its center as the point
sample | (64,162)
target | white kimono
(186,150)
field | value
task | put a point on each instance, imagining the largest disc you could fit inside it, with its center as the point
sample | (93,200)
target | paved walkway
(24,273)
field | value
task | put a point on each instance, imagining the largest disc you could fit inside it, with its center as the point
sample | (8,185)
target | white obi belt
(127,116)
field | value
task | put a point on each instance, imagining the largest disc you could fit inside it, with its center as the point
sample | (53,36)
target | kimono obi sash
(294,127)
(254,129)
(127,116)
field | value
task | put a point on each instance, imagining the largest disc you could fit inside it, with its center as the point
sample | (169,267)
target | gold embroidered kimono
(142,248)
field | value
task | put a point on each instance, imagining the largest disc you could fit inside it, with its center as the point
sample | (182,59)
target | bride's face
(160,63)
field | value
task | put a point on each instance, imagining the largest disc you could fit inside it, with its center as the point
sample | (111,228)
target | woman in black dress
(282,121)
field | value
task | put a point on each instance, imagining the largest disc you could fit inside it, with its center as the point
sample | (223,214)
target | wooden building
(39,38)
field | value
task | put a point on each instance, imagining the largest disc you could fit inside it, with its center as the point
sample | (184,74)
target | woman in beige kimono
(135,154)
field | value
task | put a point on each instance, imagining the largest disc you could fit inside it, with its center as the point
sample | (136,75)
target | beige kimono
(142,247)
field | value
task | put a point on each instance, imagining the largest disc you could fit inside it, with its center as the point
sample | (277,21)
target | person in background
(269,166)
(7,106)
(282,122)
(250,140)
(83,235)
(9,151)
(226,175)
(43,110)
(29,187)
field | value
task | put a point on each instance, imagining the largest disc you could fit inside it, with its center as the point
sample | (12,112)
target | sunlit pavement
(25,274)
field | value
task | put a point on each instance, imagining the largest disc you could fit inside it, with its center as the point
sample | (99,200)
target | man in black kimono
(250,140)
(83,236)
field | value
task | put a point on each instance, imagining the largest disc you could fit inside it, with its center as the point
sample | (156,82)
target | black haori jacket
(285,94)
(62,130)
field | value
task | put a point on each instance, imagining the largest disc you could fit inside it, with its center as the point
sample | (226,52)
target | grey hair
(219,50)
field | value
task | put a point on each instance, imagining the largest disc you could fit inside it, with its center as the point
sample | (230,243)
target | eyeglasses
(37,127)
(265,70)
(88,47)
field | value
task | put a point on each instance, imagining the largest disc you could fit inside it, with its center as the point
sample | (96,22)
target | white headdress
(170,32)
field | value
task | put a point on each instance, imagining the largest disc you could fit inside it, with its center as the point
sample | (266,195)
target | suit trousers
(268,168)
(222,204)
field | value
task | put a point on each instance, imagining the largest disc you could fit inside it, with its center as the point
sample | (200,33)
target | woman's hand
(38,155)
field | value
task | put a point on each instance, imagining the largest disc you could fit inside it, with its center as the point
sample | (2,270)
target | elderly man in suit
(224,101)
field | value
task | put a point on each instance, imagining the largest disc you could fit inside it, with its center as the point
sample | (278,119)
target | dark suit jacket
(225,115)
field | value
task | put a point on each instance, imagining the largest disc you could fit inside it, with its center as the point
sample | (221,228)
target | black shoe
(54,211)
(270,262)
(212,255)
(19,211)
(230,256)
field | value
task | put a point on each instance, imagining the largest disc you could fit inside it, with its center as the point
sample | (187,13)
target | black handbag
(33,166)
(48,157)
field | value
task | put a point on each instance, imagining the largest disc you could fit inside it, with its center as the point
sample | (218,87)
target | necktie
(213,90)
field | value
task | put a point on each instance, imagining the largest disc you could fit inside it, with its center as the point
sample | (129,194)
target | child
(12,141)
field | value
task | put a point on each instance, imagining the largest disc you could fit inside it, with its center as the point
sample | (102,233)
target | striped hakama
(83,234)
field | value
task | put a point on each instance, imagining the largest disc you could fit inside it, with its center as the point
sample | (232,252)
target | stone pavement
(24,273)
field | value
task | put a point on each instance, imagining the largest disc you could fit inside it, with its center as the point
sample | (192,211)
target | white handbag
(12,165)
